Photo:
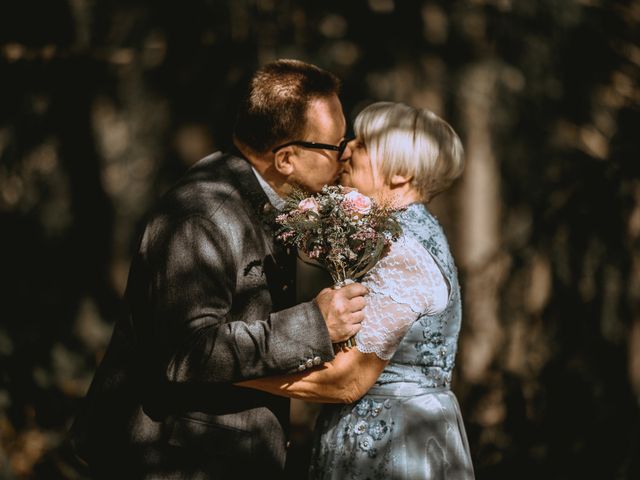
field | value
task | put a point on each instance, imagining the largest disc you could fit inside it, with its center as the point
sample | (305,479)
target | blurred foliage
(104,104)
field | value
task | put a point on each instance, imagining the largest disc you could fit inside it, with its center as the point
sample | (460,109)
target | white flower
(362,408)
(378,430)
(366,442)
(376,409)
(360,427)
(308,204)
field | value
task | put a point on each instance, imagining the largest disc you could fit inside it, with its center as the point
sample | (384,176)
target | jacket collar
(249,187)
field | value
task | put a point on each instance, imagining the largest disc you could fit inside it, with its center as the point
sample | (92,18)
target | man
(211,298)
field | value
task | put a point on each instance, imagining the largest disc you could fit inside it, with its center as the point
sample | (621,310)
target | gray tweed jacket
(211,302)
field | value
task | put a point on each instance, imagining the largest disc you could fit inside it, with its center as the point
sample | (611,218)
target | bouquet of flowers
(343,230)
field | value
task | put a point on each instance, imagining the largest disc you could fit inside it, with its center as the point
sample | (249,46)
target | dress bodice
(426,354)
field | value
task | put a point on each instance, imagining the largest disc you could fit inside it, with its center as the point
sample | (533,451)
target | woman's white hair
(402,140)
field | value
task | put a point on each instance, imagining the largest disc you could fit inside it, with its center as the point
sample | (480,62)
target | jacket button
(267,207)
(309,363)
(285,287)
(301,368)
(317,360)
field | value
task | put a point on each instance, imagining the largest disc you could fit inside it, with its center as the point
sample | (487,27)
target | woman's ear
(400,180)
(283,161)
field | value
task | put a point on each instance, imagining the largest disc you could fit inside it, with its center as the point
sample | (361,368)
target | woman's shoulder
(416,217)
(402,255)
(408,263)
(418,221)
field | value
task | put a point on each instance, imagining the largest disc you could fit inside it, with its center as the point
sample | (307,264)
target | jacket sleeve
(191,270)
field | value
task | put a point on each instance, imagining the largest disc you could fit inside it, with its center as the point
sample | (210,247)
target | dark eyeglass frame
(340,148)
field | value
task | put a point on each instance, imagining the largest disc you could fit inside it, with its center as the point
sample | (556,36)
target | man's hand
(342,310)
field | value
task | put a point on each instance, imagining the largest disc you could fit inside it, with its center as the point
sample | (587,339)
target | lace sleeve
(405,284)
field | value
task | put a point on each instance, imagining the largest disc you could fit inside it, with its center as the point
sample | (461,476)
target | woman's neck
(400,197)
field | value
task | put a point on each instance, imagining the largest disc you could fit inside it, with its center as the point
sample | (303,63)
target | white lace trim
(406,284)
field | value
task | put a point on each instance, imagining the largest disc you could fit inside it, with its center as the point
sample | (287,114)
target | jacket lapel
(280,264)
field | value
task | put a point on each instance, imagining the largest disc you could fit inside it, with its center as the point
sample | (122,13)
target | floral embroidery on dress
(364,431)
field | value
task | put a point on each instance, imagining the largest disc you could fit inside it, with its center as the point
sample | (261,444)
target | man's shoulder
(207,186)
(219,195)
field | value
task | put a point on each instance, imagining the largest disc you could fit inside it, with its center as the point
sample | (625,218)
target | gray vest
(426,355)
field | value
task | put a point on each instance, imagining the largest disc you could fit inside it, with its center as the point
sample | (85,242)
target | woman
(401,419)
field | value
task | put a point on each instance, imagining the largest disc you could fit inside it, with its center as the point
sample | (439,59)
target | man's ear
(283,161)
(400,180)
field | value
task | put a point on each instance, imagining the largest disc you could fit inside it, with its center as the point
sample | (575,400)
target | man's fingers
(356,318)
(354,330)
(357,303)
(348,331)
(354,290)
(342,310)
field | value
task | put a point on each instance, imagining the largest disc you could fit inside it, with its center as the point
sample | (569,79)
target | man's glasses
(340,148)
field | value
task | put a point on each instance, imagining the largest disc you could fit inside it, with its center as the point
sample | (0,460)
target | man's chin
(343,180)
(334,182)
(337,180)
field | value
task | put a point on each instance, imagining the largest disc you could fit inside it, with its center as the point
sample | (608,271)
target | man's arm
(191,270)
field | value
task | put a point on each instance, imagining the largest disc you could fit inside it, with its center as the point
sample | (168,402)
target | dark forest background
(104,103)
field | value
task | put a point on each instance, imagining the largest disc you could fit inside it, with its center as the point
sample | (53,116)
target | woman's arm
(343,380)
(402,286)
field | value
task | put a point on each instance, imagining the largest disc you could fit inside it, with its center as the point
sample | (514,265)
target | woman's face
(358,171)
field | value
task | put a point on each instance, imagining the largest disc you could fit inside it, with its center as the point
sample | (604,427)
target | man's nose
(346,154)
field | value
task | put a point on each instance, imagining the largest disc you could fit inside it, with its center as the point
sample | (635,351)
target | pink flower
(357,203)
(308,204)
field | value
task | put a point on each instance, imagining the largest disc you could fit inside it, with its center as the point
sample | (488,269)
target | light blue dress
(408,426)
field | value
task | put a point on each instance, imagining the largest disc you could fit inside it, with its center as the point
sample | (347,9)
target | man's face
(359,172)
(314,168)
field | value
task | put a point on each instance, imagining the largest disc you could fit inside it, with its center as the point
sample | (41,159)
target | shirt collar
(271,194)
